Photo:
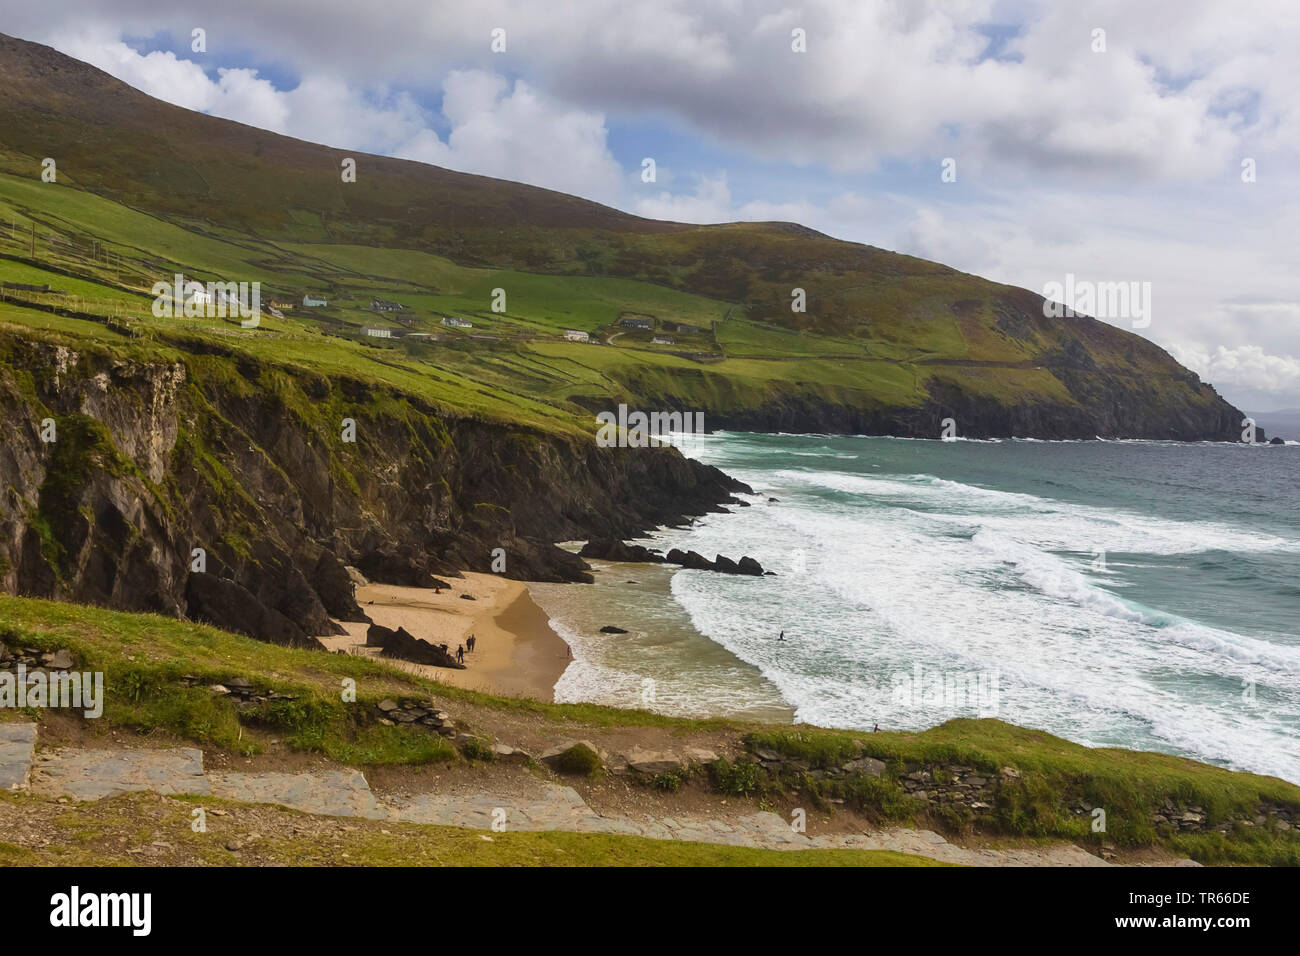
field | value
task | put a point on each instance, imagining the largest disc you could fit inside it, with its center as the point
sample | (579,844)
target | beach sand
(517,652)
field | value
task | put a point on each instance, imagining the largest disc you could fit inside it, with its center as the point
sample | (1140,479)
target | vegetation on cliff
(192,475)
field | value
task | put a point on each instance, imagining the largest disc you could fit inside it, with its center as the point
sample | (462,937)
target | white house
(196,293)
(457,322)
(376,333)
(574,335)
(312,301)
(663,340)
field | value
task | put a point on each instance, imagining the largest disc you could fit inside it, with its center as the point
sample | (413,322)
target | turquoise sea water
(1135,594)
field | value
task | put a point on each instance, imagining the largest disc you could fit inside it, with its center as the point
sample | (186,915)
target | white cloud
(1247,367)
(711,202)
(520,134)
(515,133)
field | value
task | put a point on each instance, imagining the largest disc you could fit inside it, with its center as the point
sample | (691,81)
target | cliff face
(154,458)
(1118,408)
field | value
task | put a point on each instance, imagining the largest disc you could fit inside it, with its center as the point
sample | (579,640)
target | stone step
(335,793)
(17,745)
(95,774)
(559,808)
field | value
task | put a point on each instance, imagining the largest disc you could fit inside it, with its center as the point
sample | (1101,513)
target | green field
(106,257)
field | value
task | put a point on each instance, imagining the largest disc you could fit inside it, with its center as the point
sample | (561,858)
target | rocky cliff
(1117,407)
(214,486)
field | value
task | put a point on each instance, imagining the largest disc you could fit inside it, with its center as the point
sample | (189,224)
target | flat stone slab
(95,774)
(17,745)
(335,793)
(559,809)
(931,844)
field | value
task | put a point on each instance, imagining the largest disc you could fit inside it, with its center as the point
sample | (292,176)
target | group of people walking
(461,648)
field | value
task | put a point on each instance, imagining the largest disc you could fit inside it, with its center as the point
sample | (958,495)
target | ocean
(1128,594)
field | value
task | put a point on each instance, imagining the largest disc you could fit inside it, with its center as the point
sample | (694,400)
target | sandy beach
(517,653)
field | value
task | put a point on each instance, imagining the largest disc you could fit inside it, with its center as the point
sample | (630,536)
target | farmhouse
(197,295)
(685,329)
(375,332)
(314,302)
(457,322)
(282,305)
(635,323)
(663,340)
(382,305)
(573,335)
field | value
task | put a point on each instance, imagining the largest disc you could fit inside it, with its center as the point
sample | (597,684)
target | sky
(1154,142)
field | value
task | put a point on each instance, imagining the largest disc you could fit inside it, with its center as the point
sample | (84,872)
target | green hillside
(887,343)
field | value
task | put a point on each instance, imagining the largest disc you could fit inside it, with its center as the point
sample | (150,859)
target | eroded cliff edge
(155,457)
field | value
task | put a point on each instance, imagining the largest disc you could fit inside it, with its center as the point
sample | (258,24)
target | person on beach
(460,653)
(469,645)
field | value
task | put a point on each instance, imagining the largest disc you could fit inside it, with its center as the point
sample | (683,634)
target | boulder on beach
(723,564)
(611,549)
(689,559)
(611,629)
(406,646)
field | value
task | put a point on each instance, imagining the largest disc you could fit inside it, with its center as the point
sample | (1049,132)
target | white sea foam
(880,573)
(1050,524)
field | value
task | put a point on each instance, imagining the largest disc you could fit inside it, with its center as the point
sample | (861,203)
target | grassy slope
(532,360)
(142,657)
(224,200)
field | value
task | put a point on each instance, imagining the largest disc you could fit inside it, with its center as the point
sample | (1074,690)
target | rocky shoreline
(616,550)
(217,488)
